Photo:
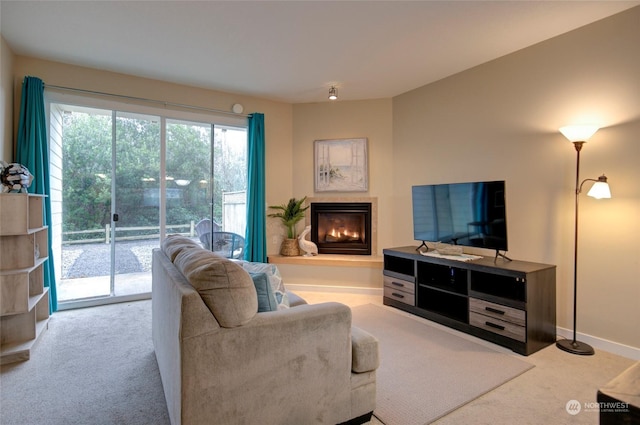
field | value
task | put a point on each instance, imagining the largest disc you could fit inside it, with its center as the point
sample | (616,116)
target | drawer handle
(494,310)
(395,294)
(398,284)
(493,325)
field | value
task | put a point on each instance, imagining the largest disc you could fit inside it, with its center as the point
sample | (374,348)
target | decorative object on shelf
(290,214)
(341,165)
(15,177)
(447,249)
(333,93)
(308,247)
(578,135)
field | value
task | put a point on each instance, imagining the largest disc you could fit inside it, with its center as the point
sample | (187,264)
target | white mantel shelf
(333,260)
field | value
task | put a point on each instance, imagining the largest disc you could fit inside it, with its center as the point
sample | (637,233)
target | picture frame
(341,165)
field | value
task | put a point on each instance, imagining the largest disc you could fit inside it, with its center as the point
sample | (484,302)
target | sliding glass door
(126,180)
(107,232)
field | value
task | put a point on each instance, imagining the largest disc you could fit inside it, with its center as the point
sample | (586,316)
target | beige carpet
(426,372)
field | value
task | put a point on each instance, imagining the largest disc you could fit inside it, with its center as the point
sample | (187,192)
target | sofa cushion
(225,287)
(174,244)
(266,299)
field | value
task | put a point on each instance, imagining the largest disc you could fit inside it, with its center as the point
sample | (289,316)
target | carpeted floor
(92,366)
(97,366)
(426,372)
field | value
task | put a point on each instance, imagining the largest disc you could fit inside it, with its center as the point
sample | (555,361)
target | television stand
(510,303)
(499,254)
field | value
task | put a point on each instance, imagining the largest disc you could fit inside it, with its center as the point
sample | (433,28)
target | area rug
(427,372)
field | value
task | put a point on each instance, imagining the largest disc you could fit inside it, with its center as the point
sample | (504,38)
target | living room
(496,121)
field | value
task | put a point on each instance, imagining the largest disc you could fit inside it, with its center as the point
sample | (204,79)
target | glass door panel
(86,141)
(136,210)
(188,179)
(206,182)
(230,178)
(110,202)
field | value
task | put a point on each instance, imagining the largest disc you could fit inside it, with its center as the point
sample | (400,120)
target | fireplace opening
(341,227)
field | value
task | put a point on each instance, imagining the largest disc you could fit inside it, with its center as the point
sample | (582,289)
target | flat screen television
(467,214)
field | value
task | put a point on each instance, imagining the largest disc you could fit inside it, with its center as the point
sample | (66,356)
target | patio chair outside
(204,229)
(227,244)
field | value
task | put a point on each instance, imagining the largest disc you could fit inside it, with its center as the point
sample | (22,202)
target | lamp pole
(573,346)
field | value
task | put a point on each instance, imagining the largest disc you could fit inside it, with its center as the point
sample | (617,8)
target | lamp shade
(600,189)
(578,133)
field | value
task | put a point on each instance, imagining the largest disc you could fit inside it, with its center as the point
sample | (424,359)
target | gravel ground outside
(91,260)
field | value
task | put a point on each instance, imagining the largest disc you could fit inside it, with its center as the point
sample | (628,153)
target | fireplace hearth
(341,227)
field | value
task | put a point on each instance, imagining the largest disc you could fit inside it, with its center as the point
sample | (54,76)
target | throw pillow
(225,287)
(175,244)
(272,272)
(266,299)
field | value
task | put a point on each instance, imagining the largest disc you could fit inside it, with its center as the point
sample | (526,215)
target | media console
(510,303)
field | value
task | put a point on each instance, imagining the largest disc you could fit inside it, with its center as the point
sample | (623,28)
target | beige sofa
(221,362)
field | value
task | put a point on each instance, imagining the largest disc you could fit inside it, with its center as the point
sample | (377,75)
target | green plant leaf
(290,214)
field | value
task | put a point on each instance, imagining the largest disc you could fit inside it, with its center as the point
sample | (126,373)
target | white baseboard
(602,344)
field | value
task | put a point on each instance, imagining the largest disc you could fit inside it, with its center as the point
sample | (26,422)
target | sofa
(223,362)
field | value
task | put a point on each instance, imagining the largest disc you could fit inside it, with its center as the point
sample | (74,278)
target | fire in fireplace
(341,227)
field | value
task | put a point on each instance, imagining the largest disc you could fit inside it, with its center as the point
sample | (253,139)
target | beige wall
(344,120)
(6,102)
(500,120)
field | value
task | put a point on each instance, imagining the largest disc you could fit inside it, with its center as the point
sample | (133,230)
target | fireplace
(341,227)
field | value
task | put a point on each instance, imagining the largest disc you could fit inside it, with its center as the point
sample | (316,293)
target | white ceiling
(290,51)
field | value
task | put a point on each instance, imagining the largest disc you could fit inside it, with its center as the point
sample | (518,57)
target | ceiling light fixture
(333,93)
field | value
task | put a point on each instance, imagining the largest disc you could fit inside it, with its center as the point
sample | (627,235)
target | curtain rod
(142,99)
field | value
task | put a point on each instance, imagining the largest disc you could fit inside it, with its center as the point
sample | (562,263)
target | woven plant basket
(290,248)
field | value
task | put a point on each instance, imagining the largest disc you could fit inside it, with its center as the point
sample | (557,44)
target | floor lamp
(578,135)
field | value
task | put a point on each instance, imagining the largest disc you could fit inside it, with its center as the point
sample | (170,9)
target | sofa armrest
(295,299)
(364,351)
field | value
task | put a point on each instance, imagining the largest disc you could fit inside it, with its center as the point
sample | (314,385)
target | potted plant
(290,214)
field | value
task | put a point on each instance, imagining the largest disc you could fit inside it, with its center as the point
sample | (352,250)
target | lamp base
(575,347)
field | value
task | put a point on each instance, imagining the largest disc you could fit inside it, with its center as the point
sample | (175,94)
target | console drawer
(501,312)
(400,284)
(498,326)
(400,295)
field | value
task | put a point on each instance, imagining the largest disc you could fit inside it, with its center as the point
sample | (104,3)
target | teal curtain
(256,239)
(32,151)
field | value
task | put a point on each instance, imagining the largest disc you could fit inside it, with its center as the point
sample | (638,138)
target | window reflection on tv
(467,214)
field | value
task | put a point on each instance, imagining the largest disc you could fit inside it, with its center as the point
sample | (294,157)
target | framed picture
(341,165)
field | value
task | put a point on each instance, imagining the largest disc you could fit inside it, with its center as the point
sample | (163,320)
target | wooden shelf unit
(510,303)
(24,301)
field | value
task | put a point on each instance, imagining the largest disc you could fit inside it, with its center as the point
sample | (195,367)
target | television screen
(468,214)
